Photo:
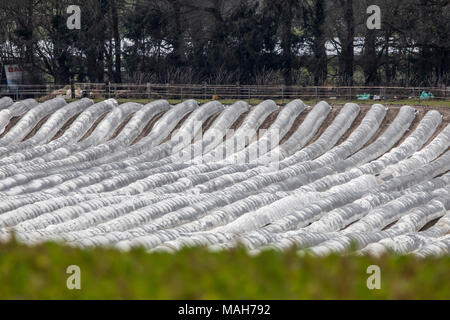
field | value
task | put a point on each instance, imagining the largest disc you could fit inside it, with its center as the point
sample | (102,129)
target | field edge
(40,272)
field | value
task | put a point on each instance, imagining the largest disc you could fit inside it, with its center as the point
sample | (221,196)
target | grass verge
(40,273)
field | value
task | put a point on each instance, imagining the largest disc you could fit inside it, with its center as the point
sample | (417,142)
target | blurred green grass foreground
(39,272)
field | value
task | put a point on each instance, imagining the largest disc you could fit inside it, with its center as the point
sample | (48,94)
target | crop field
(369,179)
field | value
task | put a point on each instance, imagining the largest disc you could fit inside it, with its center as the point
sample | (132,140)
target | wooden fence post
(72,88)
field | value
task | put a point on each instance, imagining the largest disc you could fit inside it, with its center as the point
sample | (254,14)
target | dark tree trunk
(387,62)
(29,52)
(96,50)
(370,63)
(117,49)
(320,54)
(425,66)
(287,41)
(347,50)
(178,42)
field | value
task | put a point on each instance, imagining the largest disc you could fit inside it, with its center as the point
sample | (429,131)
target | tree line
(309,42)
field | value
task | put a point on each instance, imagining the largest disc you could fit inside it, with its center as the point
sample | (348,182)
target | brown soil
(295,125)
(88,133)
(11,124)
(36,127)
(389,117)
(210,121)
(178,126)
(65,126)
(206,125)
(121,126)
(326,123)
(240,120)
(445,120)
(269,120)
(237,123)
(362,113)
(414,124)
(430,224)
(148,127)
